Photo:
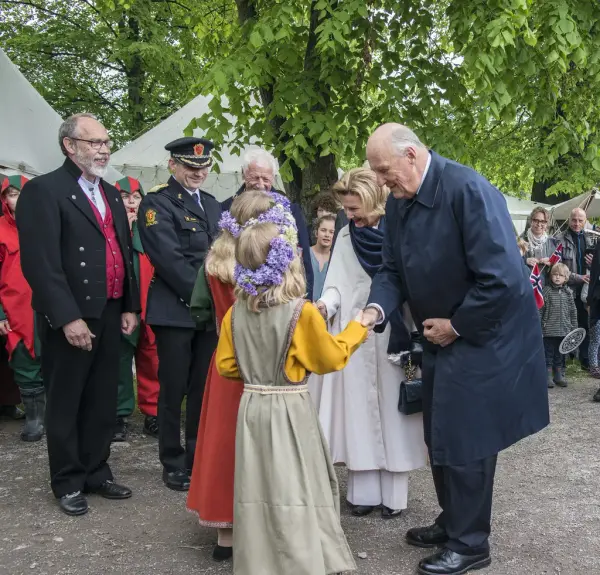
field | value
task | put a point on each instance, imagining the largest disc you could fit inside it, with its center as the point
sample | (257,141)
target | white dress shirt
(92,191)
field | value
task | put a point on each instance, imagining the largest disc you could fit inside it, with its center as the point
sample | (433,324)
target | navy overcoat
(451,253)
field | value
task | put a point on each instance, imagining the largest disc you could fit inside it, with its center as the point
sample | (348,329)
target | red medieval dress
(15,293)
(211,486)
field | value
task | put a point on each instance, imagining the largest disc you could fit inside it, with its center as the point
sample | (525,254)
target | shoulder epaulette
(158,188)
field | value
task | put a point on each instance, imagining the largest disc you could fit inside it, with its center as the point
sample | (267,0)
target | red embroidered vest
(115,266)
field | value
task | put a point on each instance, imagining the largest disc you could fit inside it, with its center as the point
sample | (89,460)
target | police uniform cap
(193,152)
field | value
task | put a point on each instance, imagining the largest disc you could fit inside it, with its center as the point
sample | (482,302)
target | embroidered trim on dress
(275,389)
(290,335)
(215,524)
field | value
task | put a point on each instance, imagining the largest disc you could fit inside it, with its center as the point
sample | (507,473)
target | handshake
(367,317)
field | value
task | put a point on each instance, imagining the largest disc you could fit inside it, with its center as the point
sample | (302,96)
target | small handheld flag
(557,255)
(536,284)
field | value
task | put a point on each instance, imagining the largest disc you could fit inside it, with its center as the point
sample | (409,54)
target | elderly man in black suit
(76,254)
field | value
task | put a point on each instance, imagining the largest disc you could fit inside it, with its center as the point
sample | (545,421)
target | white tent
(29,125)
(590,202)
(146,158)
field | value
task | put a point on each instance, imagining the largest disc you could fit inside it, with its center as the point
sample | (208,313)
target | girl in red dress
(211,486)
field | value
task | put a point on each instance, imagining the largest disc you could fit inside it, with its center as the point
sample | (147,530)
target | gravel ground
(546,510)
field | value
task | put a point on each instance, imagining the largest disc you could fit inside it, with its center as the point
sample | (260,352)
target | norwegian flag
(536,284)
(557,255)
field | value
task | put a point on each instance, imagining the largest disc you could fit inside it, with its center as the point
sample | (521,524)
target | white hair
(261,158)
(402,138)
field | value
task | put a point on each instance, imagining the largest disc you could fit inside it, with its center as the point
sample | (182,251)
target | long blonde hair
(362,182)
(251,252)
(220,261)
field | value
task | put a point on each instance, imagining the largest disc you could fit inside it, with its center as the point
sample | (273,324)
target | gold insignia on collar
(179,197)
(190,219)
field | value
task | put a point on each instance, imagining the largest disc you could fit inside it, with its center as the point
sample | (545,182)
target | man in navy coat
(450,252)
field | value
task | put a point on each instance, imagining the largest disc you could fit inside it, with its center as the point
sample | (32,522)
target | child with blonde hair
(558,317)
(286,495)
(211,485)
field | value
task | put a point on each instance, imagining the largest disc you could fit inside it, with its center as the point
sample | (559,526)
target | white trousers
(378,487)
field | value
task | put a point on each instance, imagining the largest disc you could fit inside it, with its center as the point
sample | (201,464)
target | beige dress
(286,495)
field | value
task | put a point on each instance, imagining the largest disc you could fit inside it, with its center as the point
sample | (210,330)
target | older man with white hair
(577,255)
(450,252)
(259,169)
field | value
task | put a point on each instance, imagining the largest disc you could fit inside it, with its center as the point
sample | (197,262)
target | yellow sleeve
(314,349)
(225,355)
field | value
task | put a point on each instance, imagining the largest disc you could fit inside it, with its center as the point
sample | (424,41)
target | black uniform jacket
(63,250)
(176,234)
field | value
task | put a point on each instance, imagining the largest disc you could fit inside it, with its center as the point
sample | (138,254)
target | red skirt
(211,486)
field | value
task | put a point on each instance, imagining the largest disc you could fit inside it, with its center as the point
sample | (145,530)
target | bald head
(398,157)
(577,220)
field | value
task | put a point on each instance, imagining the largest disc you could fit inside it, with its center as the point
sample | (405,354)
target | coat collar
(186,199)
(429,189)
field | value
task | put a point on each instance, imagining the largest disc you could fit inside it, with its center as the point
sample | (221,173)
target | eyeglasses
(96,144)
(541,222)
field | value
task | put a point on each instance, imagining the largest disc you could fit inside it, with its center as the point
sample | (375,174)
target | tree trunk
(538,193)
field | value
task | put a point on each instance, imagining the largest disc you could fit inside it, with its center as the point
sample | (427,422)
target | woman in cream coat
(358,406)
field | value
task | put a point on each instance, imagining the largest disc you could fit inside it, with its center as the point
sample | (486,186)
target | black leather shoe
(120,432)
(362,510)
(151,426)
(388,513)
(426,537)
(447,562)
(222,553)
(111,490)
(74,504)
(177,480)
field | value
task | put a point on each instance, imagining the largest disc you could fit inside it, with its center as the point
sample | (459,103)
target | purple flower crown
(282,249)
(281,255)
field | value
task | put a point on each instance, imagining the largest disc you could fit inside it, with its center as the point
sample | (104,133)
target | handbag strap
(410,369)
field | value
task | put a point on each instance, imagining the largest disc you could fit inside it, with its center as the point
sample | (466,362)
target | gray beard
(89,165)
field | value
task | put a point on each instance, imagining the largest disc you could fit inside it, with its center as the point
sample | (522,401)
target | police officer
(178,223)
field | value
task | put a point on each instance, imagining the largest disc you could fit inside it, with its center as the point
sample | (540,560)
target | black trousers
(81,397)
(464,492)
(551,351)
(582,321)
(184,356)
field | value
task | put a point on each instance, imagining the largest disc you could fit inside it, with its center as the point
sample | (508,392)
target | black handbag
(411,392)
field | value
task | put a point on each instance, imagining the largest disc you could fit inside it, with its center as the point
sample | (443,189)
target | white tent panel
(146,158)
(590,201)
(29,144)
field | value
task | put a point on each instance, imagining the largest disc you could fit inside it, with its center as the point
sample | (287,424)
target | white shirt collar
(425,171)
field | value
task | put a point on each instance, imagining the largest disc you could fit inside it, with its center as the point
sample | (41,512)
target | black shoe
(74,504)
(597,395)
(34,401)
(388,513)
(11,412)
(426,537)
(177,480)
(151,426)
(362,510)
(111,490)
(120,432)
(447,562)
(222,553)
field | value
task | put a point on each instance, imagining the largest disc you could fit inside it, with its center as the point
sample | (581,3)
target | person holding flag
(541,246)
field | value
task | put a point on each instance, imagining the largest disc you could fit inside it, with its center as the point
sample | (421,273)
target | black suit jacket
(63,251)
(176,234)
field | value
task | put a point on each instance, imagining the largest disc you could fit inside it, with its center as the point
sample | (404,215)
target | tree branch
(46,11)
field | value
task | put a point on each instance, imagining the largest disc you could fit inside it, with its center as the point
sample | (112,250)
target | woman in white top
(358,406)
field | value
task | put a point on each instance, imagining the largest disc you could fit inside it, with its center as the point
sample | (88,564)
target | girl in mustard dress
(286,495)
